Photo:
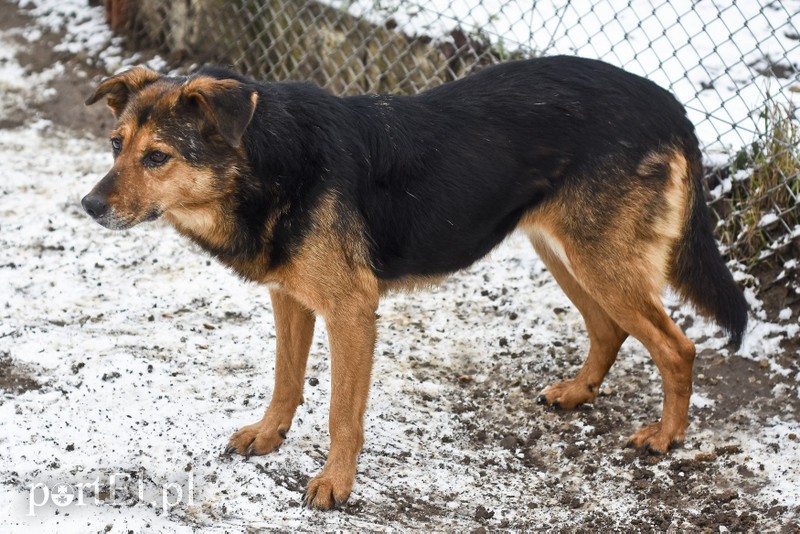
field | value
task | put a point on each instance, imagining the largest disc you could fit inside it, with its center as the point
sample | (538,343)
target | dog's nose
(95,205)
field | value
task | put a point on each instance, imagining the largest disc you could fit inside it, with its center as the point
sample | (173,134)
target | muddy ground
(530,467)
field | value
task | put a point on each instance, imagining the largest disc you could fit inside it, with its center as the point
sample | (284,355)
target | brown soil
(13,379)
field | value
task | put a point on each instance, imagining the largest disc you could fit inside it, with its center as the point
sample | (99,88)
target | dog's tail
(697,269)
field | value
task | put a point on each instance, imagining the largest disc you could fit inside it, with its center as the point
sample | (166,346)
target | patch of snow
(767,219)
(701,401)
(85,32)
(784,475)
(722,188)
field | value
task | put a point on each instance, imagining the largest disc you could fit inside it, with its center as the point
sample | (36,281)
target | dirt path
(129,352)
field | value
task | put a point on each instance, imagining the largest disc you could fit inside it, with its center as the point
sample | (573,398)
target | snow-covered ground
(149,356)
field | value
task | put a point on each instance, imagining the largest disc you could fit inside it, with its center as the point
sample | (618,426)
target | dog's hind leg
(294,326)
(673,354)
(605,336)
(624,296)
(617,242)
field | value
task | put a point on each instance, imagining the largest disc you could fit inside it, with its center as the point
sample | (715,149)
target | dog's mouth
(113,221)
(109,217)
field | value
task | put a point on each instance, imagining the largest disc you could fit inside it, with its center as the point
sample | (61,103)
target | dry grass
(761,209)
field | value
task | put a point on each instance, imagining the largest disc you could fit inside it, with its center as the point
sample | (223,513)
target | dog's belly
(432,235)
(440,251)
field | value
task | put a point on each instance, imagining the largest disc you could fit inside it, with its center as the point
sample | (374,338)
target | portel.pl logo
(117,488)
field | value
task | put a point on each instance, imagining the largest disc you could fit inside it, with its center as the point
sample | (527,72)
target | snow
(701,401)
(85,32)
(767,219)
(116,327)
(784,474)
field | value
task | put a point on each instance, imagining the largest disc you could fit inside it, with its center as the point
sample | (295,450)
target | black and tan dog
(332,202)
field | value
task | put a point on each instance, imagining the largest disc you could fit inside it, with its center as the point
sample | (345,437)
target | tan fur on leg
(295,328)
(351,330)
(605,335)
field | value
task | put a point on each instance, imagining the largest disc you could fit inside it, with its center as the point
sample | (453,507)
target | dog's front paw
(256,439)
(568,394)
(329,488)
(656,439)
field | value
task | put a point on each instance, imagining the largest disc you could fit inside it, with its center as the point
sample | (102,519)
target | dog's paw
(655,440)
(568,394)
(328,490)
(256,439)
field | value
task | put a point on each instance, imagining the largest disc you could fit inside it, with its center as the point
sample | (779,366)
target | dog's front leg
(351,331)
(294,327)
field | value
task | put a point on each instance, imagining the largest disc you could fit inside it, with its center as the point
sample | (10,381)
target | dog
(335,201)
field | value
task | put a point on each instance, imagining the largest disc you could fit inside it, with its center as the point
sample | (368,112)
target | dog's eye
(156,158)
(116,145)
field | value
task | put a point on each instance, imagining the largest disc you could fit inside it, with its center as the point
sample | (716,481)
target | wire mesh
(734,65)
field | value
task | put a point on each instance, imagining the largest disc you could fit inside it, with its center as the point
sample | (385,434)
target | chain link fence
(733,64)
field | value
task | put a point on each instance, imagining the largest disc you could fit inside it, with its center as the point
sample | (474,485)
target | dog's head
(176,145)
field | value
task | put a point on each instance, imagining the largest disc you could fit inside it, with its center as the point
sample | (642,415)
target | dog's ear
(228,104)
(119,88)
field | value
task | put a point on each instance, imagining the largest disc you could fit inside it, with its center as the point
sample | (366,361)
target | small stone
(464,378)
(572,451)
(313,381)
(726,450)
(705,457)
(482,513)
(764,363)
(509,443)
(533,436)
(606,391)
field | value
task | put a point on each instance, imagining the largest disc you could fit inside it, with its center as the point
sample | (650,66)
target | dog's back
(470,158)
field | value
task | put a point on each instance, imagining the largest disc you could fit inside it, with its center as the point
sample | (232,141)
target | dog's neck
(204,225)
(214,228)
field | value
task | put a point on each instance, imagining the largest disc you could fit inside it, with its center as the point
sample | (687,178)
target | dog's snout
(95,205)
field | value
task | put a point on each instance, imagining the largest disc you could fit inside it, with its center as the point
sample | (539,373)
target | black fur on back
(440,178)
(472,156)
